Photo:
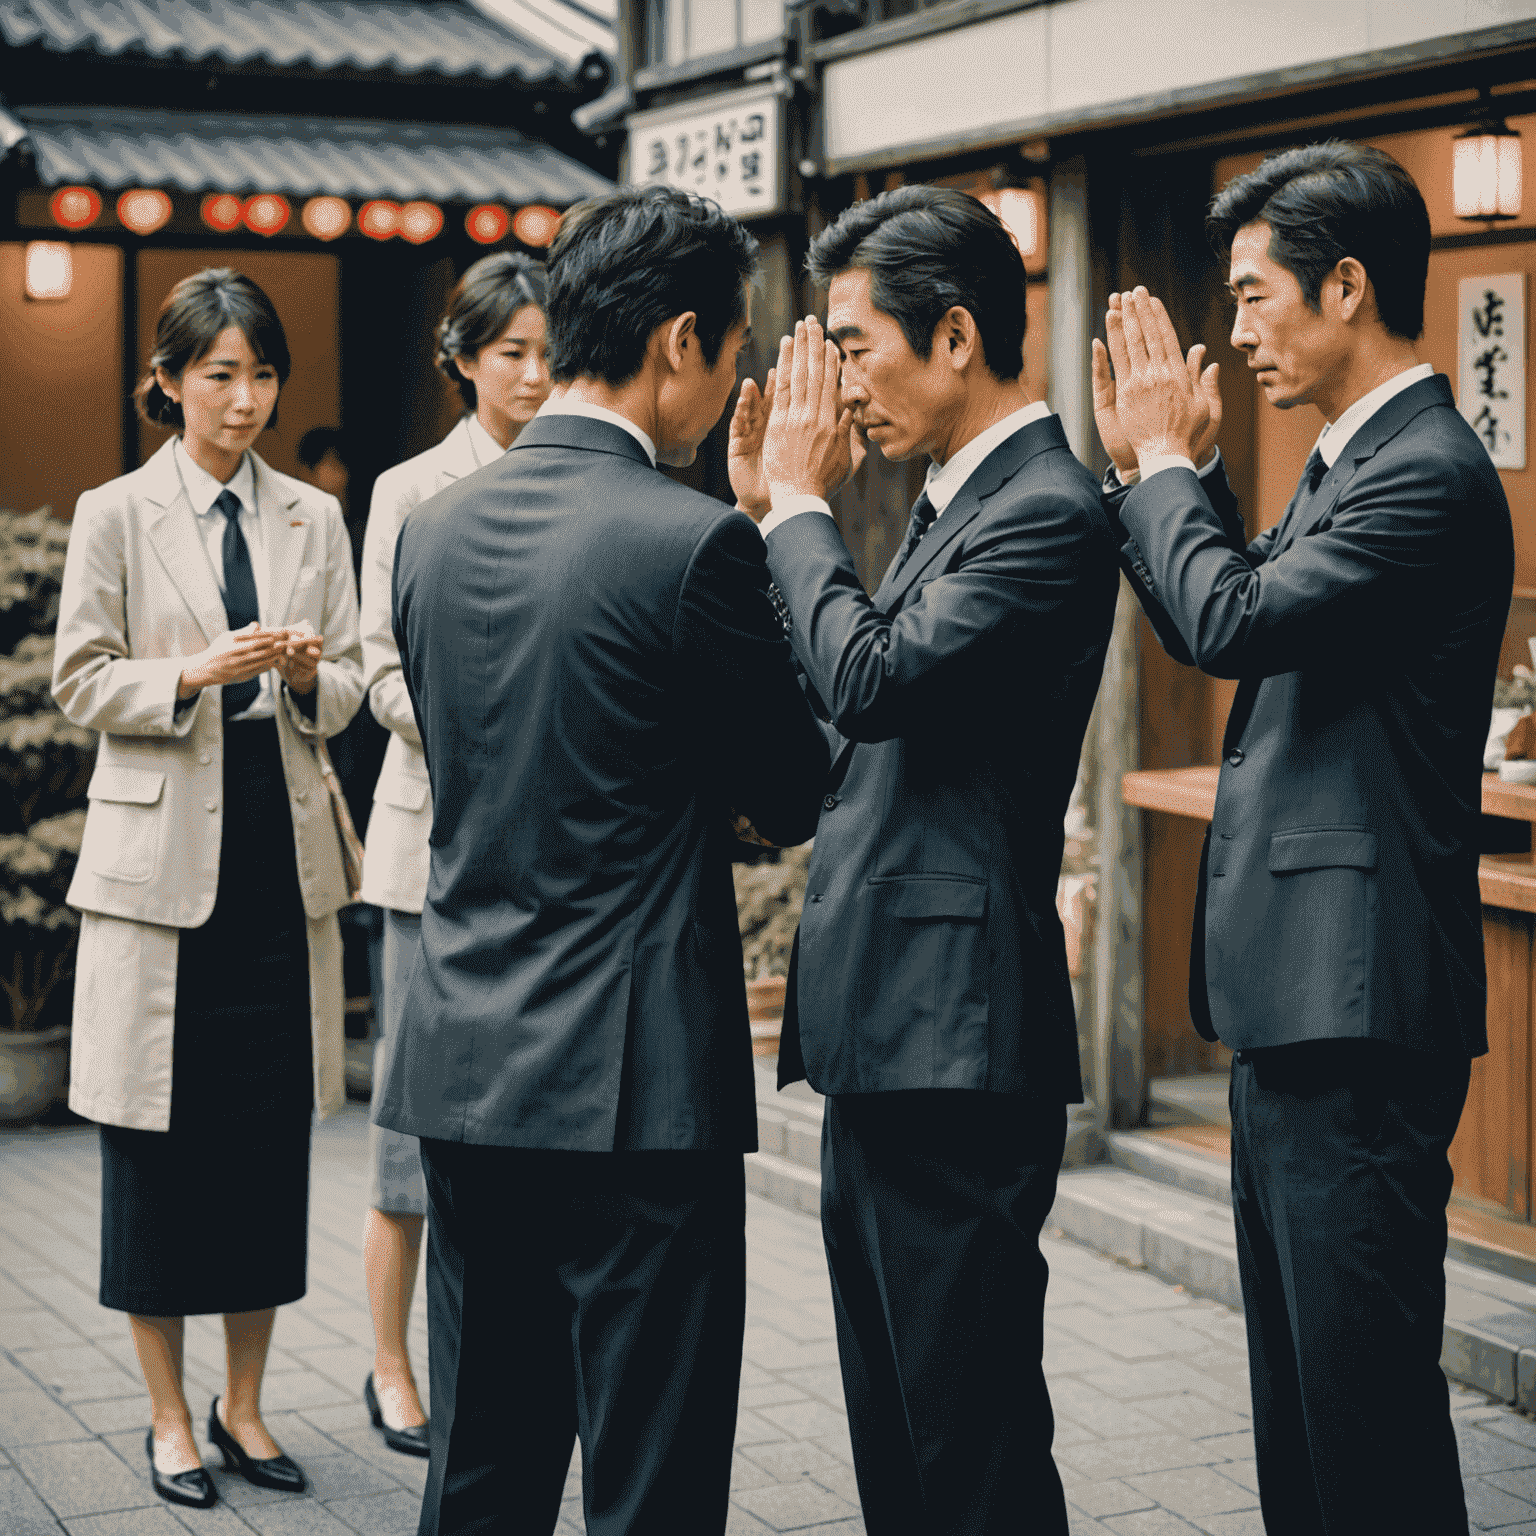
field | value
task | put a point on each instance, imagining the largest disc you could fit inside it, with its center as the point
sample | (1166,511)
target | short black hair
(633,259)
(194,314)
(929,250)
(318,442)
(481,307)
(1324,202)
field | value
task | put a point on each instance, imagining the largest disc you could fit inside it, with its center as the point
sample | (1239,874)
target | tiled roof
(409,39)
(198,152)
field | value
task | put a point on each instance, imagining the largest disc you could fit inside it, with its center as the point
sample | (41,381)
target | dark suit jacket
(930,954)
(599,678)
(1339,893)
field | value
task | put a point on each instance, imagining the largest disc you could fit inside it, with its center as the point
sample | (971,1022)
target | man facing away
(929,997)
(1338,938)
(599,680)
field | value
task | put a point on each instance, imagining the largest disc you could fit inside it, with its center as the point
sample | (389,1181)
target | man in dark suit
(1338,940)
(929,996)
(599,680)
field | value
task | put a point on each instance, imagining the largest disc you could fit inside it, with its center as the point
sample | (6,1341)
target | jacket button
(300,796)
(830,801)
(211,805)
(205,758)
(1235,756)
(815,898)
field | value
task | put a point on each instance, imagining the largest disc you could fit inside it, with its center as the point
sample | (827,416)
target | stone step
(791,1185)
(1166,1162)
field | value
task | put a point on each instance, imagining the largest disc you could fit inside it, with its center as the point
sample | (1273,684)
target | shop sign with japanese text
(1491,346)
(726,148)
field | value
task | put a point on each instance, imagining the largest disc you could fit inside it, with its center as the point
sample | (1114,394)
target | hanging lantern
(267,213)
(1022,215)
(327,218)
(420,222)
(486,223)
(536,225)
(50,269)
(221,211)
(380,219)
(144,210)
(75,207)
(1486,173)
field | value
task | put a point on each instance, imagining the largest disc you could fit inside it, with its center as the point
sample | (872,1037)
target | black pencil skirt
(213,1214)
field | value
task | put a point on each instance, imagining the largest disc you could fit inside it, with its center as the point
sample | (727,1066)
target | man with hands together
(928,995)
(293,652)
(1338,939)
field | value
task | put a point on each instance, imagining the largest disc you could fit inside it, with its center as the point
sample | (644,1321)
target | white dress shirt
(202,491)
(566,406)
(1335,436)
(944,481)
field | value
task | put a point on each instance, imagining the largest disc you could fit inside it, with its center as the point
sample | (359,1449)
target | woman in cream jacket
(208,630)
(490,344)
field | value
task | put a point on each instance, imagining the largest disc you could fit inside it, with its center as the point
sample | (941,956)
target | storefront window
(680,30)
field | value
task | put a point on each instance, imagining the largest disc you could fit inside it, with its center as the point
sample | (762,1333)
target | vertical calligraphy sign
(1490,334)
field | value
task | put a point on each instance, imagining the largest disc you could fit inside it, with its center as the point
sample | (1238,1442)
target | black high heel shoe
(280,1472)
(194,1489)
(412,1441)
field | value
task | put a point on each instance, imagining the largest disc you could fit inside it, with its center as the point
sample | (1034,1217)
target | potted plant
(45,765)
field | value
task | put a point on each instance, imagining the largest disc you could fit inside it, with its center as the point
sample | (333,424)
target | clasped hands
(1158,401)
(293,651)
(794,437)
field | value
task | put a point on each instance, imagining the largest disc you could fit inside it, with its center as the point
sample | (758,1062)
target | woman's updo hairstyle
(481,307)
(194,314)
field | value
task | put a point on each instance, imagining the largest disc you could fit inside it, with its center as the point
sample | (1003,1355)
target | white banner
(1490,332)
(726,148)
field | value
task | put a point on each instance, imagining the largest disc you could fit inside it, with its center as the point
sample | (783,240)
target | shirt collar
(565,406)
(203,490)
(945,480)
(1336,435)
(485,447)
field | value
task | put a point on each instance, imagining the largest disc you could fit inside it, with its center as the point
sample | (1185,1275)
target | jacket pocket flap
(1322,848)
(928,896)
(404,790)
(131,786)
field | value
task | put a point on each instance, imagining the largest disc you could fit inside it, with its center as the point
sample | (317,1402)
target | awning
(300,156)
(394,35)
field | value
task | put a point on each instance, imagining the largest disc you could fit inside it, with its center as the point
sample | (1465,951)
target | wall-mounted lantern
(486,223)
(266,214)
(144,210)
(327,218)
(221,211)
(75,207)
(536,225)
(50,270)
(420,222)
(1486,172)
(380,219)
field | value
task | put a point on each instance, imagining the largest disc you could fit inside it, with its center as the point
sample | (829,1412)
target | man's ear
(680,339)
(955,335)
(1353,289)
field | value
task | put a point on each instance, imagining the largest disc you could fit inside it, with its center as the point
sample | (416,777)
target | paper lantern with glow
(1020,210)
(267,213)
(144,210)
(75,207)
(50,270)
(380,219)
(327,218)
(221,211)
(486,223)
(1486,173)
(536,225)
(420,222)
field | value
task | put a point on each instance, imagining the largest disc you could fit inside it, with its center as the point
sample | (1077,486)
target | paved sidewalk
(1149,1386)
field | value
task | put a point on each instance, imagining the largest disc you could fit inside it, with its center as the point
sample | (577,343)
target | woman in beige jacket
(490,344)
(208,630)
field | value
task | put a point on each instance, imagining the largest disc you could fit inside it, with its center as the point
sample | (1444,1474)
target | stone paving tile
(1482,1452)
(83,1477)
(1490,1507)
(31,1417)
(793,1506)
(1192,1415)
(132,1522)
(1110,1497)
(22,1513)
(1151,1522)
(1194,1492)
(1248,1522)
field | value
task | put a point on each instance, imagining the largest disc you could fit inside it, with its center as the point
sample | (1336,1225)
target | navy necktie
(241,605)
(1317,467)
(923,514)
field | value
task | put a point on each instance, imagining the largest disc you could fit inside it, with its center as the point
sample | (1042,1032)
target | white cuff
(1155,463)
(792,506)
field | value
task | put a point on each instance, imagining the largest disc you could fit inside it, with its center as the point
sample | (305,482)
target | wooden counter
(1507,880)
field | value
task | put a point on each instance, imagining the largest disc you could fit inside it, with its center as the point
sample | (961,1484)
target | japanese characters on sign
(726,148)
(1491,342)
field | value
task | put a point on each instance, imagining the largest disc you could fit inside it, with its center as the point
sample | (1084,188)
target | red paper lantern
(75,207)
(144,210)
(221,211)
(486,223)
(326,218)
(267,213)
(420,222)
(380,219)
(536,225)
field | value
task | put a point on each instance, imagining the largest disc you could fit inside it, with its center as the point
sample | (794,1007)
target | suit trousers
(931,1207)
(1339,1185)
(591,1294)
